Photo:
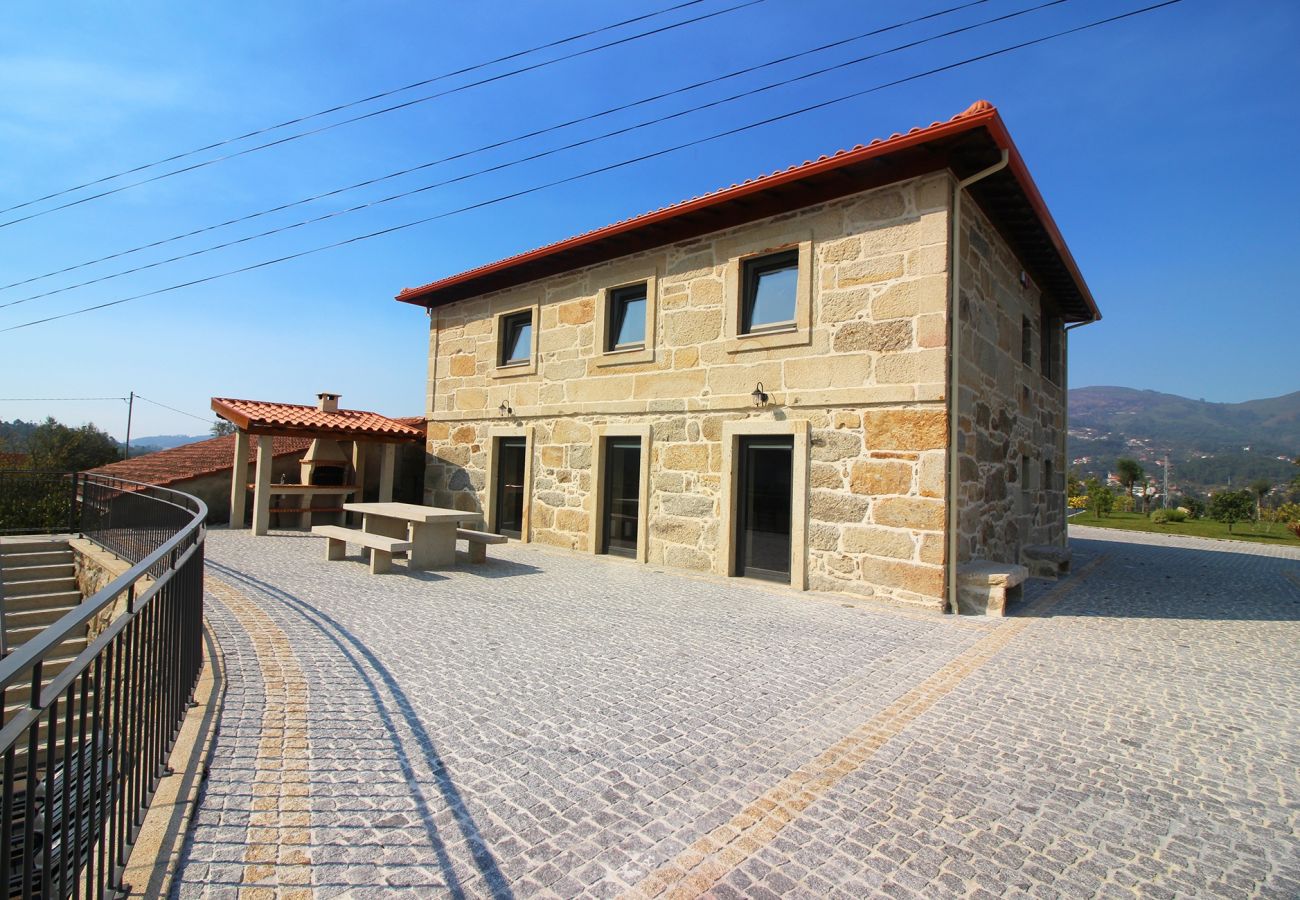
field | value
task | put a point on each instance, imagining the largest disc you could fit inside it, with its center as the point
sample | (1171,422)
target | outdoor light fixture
(505,409)
(759,395)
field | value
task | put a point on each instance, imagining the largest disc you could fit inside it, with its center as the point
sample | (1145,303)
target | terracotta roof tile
(262,416)
(979,106)
(193,460)
(656,227)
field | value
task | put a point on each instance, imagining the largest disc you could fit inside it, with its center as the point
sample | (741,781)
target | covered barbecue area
(344,442)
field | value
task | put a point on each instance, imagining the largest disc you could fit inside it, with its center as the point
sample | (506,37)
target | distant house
(761,381)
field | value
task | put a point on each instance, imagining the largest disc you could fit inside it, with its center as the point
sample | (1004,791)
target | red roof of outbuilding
(188,461)
(264,417)
(967,143)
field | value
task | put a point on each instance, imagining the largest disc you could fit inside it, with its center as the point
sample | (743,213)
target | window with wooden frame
(626,318)
(769,292)
(516,339)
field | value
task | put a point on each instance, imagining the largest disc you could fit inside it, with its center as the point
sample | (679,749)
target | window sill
(762,340)
(625,357)
(513,370)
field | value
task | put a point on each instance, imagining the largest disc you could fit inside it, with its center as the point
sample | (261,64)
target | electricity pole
(130,406)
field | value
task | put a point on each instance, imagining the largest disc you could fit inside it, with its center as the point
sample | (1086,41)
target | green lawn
(1241,531)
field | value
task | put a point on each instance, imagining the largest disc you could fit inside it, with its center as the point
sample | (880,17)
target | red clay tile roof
(208,457)
(967,143)
(263,417)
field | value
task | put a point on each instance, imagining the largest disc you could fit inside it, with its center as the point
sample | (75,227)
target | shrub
(1294,528)
(1176,515)
(1160,516)
(1079,502)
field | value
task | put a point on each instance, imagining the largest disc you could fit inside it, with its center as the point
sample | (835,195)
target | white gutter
(954,384)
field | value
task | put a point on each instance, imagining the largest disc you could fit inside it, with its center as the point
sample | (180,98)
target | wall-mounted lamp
(760,396)
(505,409)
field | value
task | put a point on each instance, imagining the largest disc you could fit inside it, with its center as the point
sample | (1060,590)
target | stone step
(41,545)
(36,573)
(18,620)
(25,594)
(38,558)
(18,636)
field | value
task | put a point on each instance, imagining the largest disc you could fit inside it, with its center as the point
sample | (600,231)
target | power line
(533,157)
(207,419)
(379,112)
(492,146)
(55,399)
(536,156)
(607,168)
(351,103)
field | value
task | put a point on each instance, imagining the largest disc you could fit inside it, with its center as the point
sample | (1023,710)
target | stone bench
(985,588)
(381,548)
(1046,560)
(478,541)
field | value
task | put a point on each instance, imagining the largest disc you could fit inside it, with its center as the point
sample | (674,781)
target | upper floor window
(1051,348)
(1026,341)
(769,292)
(516,332)
(627,318)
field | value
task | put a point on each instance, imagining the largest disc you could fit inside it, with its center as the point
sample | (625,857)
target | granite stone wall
(1011,425)
(865,367)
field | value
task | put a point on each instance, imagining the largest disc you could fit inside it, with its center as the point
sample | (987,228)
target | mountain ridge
(1209,444)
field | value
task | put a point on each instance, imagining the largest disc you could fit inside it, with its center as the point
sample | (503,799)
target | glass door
(622,501)
(511,455)
(763,508)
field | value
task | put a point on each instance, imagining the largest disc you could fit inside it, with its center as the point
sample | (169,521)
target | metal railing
(85,737)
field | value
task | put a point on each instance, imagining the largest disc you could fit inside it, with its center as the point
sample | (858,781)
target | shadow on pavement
(370,670)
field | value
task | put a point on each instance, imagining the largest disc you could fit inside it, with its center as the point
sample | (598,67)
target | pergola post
(239,480)
(386,466)
(359,472)
(262,485)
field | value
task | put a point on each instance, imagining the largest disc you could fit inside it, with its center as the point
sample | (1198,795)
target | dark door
(622,495)
(511,454)
(763,508)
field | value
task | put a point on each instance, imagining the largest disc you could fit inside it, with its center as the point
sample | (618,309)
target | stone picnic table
(431,530)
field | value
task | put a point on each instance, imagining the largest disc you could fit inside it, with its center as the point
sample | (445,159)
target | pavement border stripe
(277,859)
(706,861)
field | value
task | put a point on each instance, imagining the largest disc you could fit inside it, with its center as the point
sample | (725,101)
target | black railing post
(74,510)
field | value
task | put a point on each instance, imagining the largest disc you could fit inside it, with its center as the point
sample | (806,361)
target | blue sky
(1164,146)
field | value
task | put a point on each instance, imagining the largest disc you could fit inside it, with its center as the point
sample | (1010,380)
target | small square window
(516,339)
(626,317)
(770,287)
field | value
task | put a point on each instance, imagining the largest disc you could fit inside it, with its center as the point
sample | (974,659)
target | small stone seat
(477,542)
(381,548)
(1046,560)
(984,588)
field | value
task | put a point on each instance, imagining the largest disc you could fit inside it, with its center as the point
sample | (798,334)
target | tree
(1259,487)
(1130,473)
(54,447)
(1100,500)
(1232,506)
(221,427)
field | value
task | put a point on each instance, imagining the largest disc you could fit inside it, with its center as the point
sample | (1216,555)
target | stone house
(848,375)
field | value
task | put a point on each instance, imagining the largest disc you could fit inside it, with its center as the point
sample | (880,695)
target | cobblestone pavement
(558,725)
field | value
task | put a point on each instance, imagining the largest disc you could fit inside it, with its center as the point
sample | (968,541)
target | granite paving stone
(553,724)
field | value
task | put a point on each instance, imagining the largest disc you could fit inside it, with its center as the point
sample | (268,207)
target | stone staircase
(38,578)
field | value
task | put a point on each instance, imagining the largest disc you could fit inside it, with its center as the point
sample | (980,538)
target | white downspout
(954,392)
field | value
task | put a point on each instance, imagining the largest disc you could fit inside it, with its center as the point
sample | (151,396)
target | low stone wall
(96,568)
